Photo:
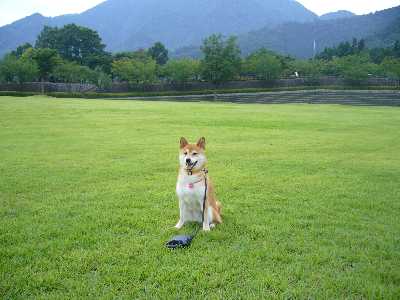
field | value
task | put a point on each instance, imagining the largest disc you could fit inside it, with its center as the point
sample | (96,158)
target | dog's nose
(188,160)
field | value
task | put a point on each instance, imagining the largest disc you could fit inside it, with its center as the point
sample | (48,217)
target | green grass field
(311,197)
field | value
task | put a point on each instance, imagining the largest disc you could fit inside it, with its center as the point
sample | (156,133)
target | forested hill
(340,14)
(386,36)
(132,24)
(298,39)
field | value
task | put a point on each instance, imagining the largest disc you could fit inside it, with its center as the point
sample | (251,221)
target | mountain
(340,14)
(132,24)
(298,39)
(20,32)
(385,37)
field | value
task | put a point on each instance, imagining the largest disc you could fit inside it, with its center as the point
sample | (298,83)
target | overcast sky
(11,10)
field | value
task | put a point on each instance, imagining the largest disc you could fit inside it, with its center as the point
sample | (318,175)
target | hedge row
(92,95)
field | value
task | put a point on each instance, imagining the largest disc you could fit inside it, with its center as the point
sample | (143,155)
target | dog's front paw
(179,225)
(206,228)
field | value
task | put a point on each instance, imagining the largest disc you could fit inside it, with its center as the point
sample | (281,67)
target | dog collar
(190,171)
(191,185)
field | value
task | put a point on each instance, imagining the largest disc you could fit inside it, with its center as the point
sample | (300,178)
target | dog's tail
(219,207)
(217,213)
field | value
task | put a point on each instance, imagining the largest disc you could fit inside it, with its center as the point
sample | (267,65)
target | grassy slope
(310,193)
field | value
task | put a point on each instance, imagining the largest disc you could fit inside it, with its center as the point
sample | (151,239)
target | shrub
(391,67)
(182,71)
(17,70)
(263,64)
(135,71)
(73,73)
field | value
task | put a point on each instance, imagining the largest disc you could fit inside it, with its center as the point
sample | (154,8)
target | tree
(75,43)
(391,67)
(135,71)
(123,55)
(378,54)
(100,61)
(286,61)
(396,49)
(354,45)
(221,60)
(21,50)
(307,68)
(104,81)
(123,69)
(361,45)
(355,68)
(343,49)
(18,70)
(264,65)
(182,71)
(159,53)
(48,38)
(46,59)
(71,72)
(140,55)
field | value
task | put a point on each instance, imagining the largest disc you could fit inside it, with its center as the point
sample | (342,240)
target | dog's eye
(194,154)
(185,153)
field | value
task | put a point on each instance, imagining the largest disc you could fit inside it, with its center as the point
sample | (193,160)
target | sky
(12,10)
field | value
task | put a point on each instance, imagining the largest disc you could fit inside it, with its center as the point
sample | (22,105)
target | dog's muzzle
(190,164)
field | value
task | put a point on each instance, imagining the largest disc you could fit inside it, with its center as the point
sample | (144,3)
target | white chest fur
(190,190)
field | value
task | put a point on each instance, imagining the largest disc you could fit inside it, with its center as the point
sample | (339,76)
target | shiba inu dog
(191,187)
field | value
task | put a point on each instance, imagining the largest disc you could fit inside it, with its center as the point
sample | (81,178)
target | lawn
(311,197)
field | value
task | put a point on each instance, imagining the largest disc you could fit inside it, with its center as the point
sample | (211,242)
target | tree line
(75,54)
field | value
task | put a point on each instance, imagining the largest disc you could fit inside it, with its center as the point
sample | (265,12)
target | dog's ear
(183,142)
(202,143)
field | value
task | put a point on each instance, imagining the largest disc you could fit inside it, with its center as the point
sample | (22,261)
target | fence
(38,87)
(192,86)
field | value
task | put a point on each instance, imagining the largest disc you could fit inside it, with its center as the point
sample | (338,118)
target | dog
(191,187)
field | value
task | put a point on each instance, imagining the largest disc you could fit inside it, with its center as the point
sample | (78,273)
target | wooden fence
(193,86)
